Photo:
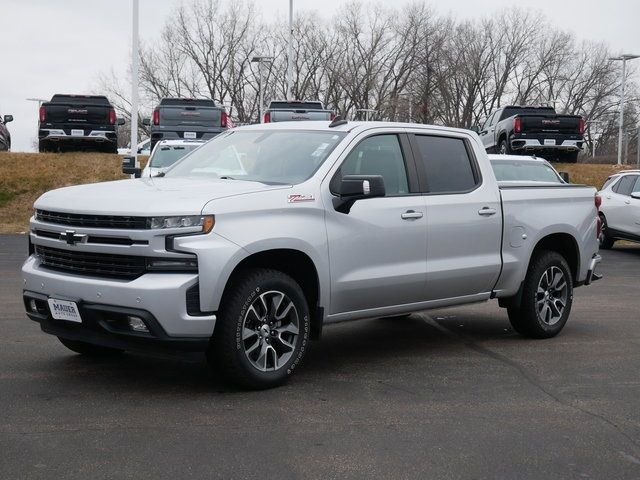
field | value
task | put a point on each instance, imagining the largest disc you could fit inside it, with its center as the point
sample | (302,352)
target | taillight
(267,117)
(517,125)
(581,126)
(156,117)
(112,116)
(598,201)
(332,117)
(223,119)
(43,114)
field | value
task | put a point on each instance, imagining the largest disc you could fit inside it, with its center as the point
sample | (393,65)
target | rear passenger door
(464,218)
(619,201)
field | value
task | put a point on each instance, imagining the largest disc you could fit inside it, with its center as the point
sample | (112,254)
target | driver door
(377,252)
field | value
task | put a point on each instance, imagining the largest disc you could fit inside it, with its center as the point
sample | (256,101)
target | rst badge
(298,197)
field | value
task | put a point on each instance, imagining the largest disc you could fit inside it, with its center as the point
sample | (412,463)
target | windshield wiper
(227,177)
(161,174)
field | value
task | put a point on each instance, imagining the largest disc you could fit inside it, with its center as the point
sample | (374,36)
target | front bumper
(161,295)
(106,325)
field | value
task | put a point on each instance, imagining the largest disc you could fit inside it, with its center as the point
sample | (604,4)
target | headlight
(206,222)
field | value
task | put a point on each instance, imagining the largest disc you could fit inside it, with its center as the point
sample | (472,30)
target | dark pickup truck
(296,111)
(539,130)
(186,118)
(78,122)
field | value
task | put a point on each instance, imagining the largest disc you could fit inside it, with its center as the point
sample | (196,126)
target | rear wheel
(606,242)
(504,148)
(547,296)
(262,332)
(89,349)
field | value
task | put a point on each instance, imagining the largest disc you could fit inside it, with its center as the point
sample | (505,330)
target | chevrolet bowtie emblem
(72,238)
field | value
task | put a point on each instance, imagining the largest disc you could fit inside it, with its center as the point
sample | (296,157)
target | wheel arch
(295,263)
(566,245)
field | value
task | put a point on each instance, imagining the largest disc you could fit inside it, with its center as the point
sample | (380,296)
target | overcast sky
(61,46)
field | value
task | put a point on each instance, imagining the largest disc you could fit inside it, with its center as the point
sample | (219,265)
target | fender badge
(297,197)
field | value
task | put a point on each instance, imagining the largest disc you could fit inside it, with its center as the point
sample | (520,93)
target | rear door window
(449,167)
(624,186)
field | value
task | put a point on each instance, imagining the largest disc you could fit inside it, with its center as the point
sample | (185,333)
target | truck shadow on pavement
(372,347)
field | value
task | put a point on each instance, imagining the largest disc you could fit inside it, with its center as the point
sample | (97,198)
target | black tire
(234,355)
(526,319)
(504,148)
(89,349)
(606,242)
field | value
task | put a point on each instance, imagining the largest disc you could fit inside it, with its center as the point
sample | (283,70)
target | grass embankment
(26,176)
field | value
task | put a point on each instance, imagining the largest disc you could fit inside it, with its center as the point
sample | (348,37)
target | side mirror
(8,118)
(475,128)
(636,195)
(129,166)
(120,121)
(564,176)
(357,187)
(146,122)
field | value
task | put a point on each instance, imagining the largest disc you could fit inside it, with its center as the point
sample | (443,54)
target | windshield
(166,155)
(267,156)
(524,171)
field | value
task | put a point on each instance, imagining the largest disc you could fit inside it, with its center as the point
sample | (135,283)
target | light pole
(260,60)
(134,83)
(623,58)
(289,50)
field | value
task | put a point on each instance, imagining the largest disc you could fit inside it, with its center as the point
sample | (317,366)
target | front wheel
(547,296)
(262,332)
(504,148)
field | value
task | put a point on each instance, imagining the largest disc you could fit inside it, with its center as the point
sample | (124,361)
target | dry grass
(26,176)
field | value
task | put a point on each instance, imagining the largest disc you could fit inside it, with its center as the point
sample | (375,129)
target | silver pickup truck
(320,223)
(296,111)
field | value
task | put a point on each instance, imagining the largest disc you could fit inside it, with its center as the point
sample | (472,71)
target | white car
(166,153)
(523,168)
(144,148)
(620,208)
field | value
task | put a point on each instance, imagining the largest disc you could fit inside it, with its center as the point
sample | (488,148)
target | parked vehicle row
(319,223)
(538,130)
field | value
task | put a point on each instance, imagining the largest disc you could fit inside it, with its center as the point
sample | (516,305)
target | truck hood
(146,196)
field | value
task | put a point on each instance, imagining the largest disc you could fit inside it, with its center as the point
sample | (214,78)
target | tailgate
(299,115)
(569,124)
(77,114)
(188,116)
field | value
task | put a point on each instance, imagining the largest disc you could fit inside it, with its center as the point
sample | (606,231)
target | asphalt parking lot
(443,394)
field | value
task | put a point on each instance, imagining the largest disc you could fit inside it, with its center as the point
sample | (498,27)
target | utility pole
(289,51)
(623,58)
(135,59)
(260,60)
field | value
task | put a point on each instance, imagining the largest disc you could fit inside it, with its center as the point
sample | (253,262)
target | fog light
(33,306)
(137,325)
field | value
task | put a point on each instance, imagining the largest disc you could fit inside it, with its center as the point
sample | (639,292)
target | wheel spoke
(289,328)
(261,361)
(285,312)
(285,343)
(276,301)
(248,333)
(557,278)
(252,347)
(252,310)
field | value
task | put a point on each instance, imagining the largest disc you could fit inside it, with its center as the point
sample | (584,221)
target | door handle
(628,202)
(411,215)
(486,211)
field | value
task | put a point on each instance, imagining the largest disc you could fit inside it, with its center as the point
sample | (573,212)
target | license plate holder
(190,135)
(77,132)
(549,142)
(64,310)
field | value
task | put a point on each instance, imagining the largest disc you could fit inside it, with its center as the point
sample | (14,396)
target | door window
(447,163)
(625,185)
(378,155)
(636,186)
(487,123)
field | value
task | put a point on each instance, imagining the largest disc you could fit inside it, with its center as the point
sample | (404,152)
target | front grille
(97,264)
(92,221)
(94,238)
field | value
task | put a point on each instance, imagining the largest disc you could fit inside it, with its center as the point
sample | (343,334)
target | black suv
(78,122)
(5,136)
